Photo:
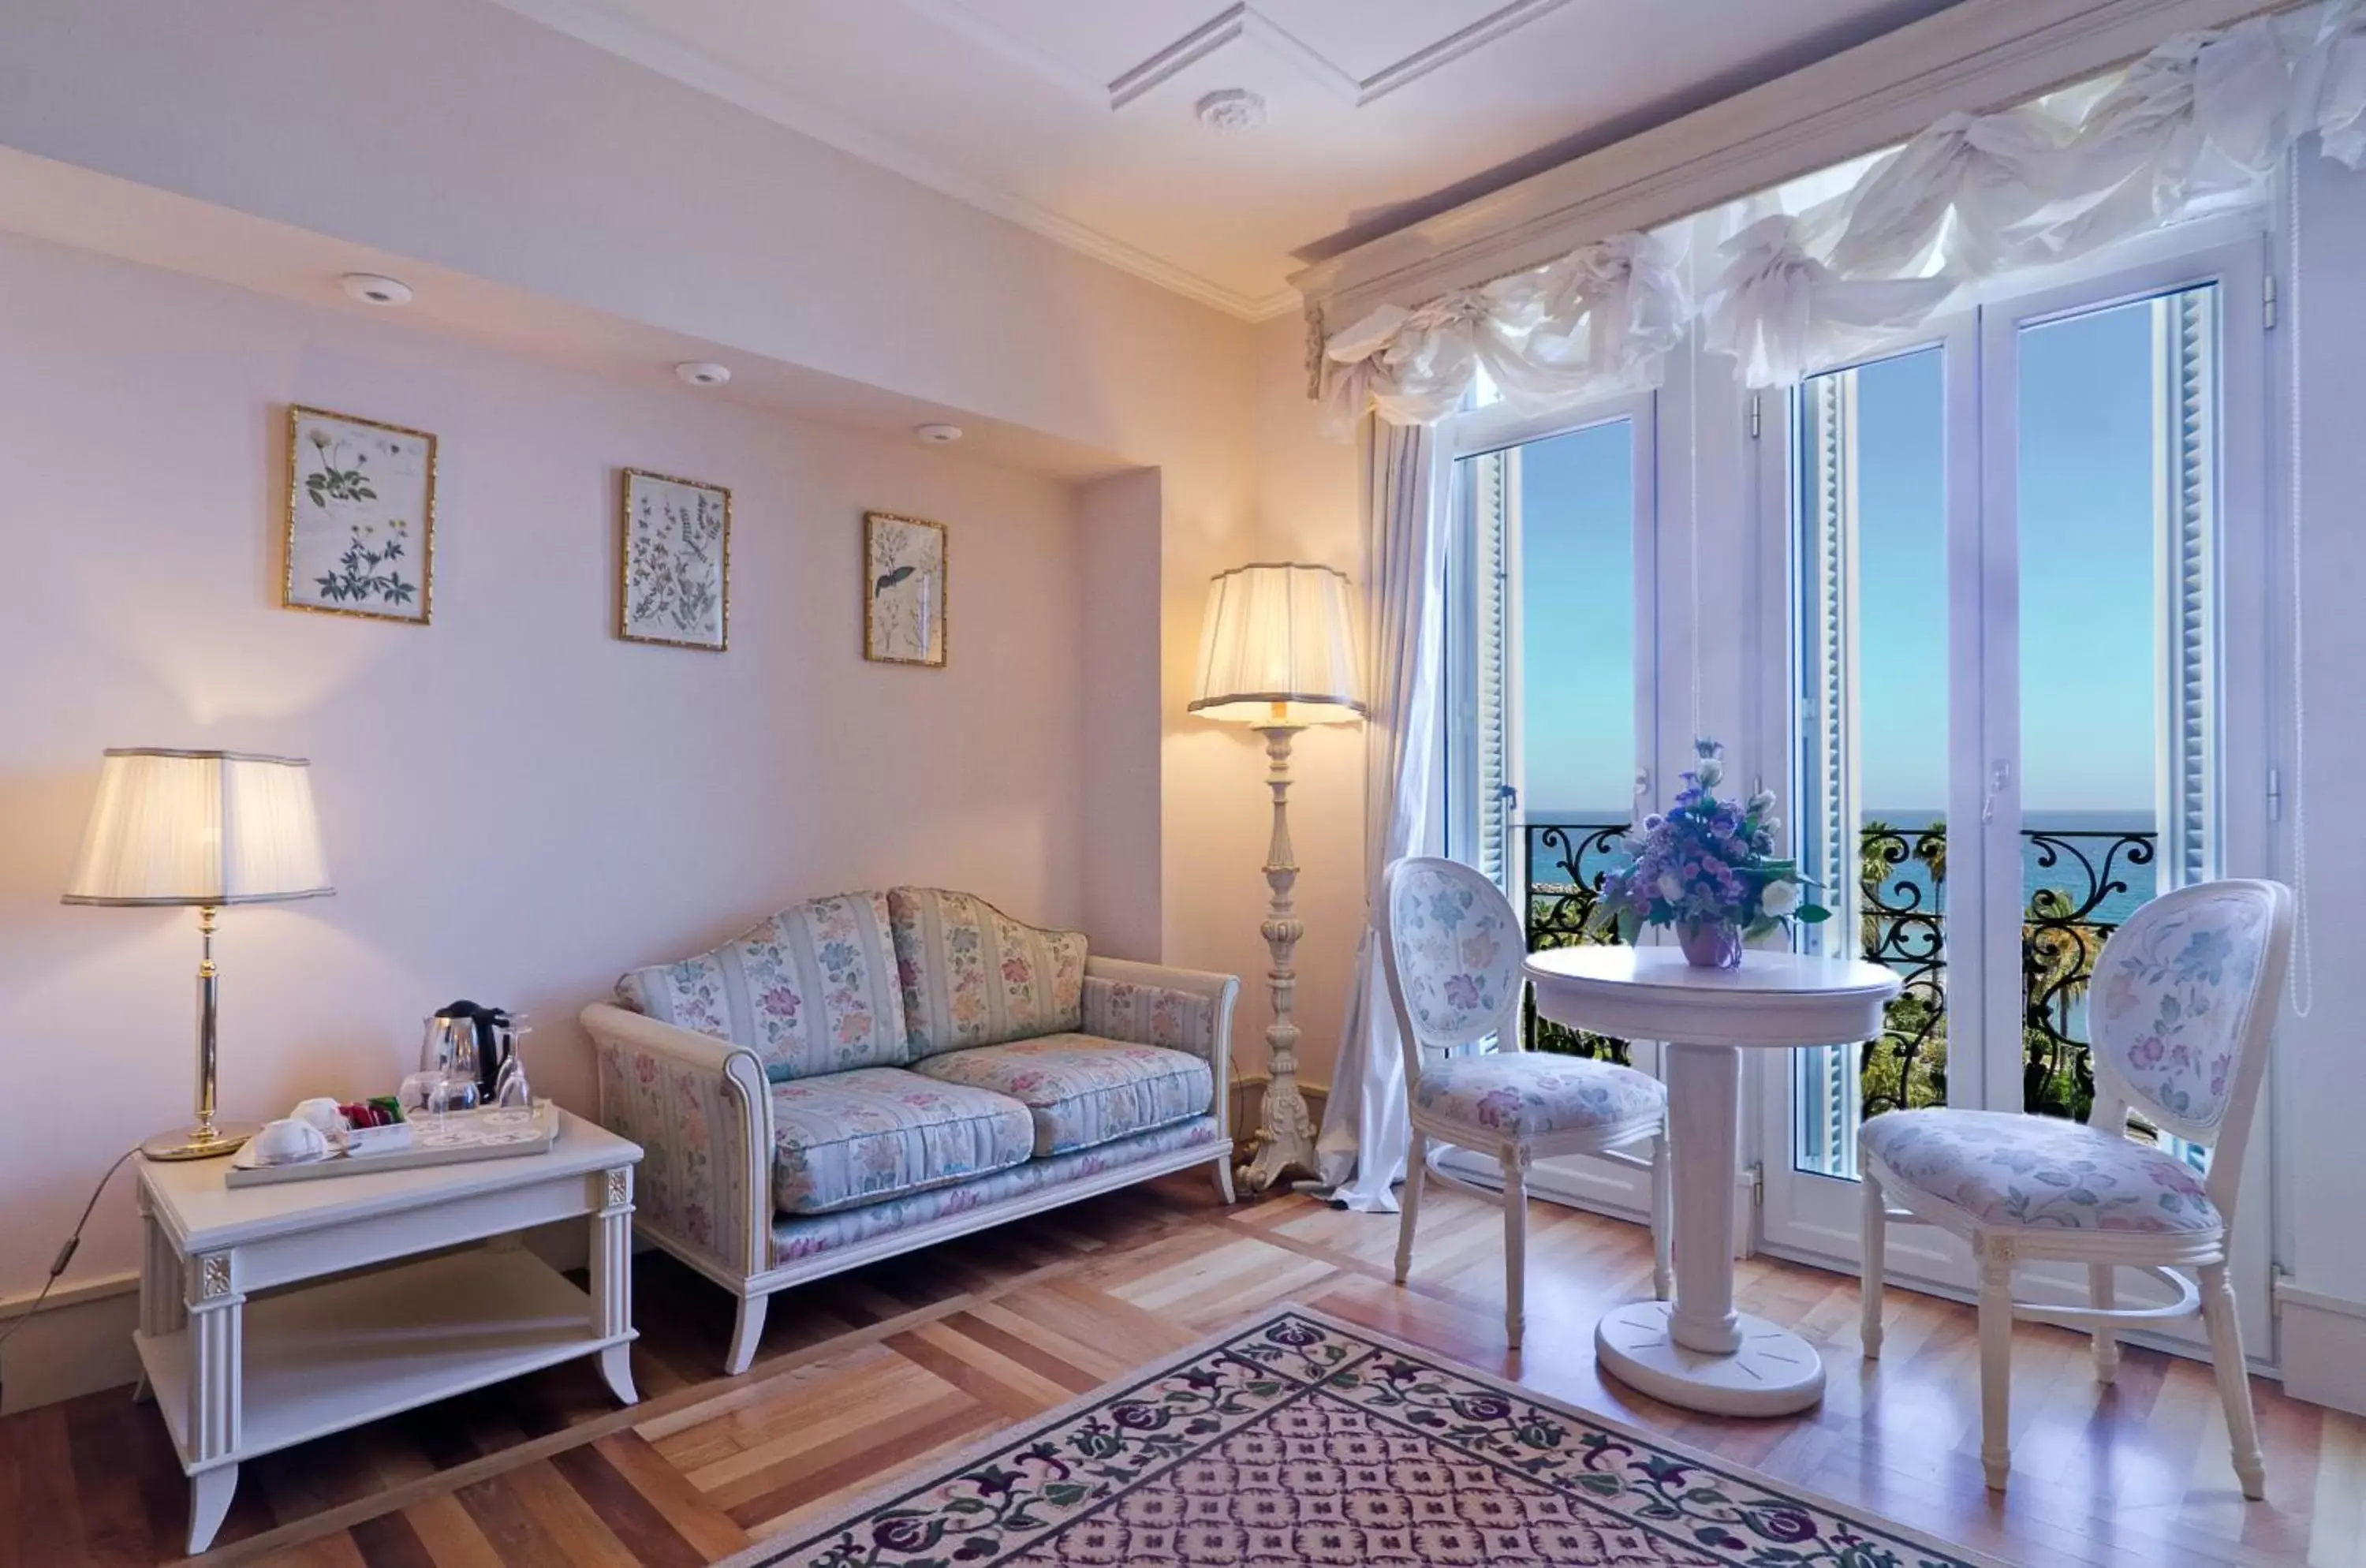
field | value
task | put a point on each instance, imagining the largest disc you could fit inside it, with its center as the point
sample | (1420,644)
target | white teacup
(321,1111)
(291,1142)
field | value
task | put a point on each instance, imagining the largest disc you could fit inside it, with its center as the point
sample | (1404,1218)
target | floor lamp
(201,830)
(1276,654)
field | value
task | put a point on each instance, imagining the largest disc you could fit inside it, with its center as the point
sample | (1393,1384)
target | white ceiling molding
(1978,54)
(1240,23)
(589,22)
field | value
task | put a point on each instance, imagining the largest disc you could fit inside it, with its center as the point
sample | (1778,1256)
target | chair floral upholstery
(1081,1091)
(2005,1168)
(879,1132)
(1460,954)
(1522,1094)
(2169,1002)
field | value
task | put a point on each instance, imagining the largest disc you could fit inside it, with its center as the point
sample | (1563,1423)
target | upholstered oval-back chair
(1452,944)
(2183,1001)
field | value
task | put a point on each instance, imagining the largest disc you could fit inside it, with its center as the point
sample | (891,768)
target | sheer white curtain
(1603,316)
(1811,275)
(1364,1134)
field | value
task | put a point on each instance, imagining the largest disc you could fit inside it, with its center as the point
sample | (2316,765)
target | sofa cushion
(972,976)
(1082,1090)
(877,1133)
(811,991)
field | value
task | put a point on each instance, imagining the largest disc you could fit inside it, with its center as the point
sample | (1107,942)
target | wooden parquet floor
(868,1374)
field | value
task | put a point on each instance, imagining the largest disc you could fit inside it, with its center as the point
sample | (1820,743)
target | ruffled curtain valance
(1597,318)
(2197,123)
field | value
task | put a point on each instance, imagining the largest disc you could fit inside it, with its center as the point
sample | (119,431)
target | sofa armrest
(1184,1009)
(702,1109)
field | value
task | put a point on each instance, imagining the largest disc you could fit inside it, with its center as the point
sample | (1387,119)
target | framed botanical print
(361,517)
(903,590)
(673,563)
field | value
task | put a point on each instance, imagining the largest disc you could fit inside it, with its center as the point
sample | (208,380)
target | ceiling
(1090,121)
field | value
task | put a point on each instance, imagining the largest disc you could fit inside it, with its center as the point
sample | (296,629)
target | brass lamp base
(198,1142)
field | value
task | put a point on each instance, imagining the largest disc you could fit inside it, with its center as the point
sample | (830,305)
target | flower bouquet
(1707,868)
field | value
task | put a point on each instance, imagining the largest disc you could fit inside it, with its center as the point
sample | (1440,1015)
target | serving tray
(465,1136)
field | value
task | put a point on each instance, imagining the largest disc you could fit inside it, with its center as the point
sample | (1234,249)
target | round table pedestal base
(1774,1373)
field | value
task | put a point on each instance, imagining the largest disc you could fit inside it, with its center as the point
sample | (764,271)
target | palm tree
(1931,849)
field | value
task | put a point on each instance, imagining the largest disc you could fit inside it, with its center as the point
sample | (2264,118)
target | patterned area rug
(1303,1439)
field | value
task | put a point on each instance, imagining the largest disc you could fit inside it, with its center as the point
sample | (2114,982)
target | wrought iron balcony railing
(2081,885)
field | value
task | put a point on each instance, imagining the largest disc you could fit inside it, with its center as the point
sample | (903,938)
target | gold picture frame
(905,601)
(347,542)
(673,561)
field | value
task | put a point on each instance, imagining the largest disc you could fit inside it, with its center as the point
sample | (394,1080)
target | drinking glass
(417,1090)
(451,1097)
(513,1096)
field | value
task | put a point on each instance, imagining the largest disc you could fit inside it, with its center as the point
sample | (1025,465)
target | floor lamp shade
(201,828)
(1278,648)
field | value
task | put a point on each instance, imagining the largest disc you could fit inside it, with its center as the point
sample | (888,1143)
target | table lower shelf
(320,1358)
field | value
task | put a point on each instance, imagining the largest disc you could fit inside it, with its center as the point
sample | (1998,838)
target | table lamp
(203,828)
(1277,653)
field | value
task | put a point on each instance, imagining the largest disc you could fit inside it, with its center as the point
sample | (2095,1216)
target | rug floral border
(1024,1484)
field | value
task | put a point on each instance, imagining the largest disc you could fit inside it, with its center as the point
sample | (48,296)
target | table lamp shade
(1278,648)
(202,828)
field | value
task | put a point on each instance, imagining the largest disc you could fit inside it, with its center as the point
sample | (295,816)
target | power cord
(58,1266)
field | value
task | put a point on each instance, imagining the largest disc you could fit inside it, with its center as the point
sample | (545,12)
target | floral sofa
(869,1073)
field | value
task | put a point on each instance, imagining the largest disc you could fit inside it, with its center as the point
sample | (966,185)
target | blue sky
(2087,590)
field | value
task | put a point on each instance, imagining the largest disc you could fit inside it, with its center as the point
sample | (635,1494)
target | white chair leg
(745,1333)
(1223,1169)
(1996,1359)
(2102,1296)
(1663,1219)
(1416,1166)
(1515,1241)
(1872,1237)
(2233,1379)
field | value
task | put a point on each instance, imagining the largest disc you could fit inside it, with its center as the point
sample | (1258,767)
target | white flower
(1672,887)
(1710,771)
(1762,800)
(1777,899)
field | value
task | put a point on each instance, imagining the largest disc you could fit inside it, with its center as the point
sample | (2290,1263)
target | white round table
(1697,1351)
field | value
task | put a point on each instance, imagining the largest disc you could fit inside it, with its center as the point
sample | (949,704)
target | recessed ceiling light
(374,289)
(1232,109)
(703,372)
(937,435)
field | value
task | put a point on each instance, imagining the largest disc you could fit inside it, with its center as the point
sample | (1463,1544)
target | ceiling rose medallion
(1231,109)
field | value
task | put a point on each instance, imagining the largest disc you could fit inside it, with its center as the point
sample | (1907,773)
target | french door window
(2105,645)
(2004,587)
(1552,633)
(2026,610)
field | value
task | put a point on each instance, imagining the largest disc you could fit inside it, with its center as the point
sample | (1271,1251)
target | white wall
(469,137)
(516,804)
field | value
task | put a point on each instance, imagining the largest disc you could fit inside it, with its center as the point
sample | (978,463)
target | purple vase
(1710,944)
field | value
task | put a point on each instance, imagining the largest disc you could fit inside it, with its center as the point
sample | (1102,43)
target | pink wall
(516,804)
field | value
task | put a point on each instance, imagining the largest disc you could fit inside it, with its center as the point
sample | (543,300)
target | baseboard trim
(93,1290)
(2321,1341)
(80,1343)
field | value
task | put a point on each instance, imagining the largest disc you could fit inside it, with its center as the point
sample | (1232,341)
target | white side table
(1695,1350)
(236,1377)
